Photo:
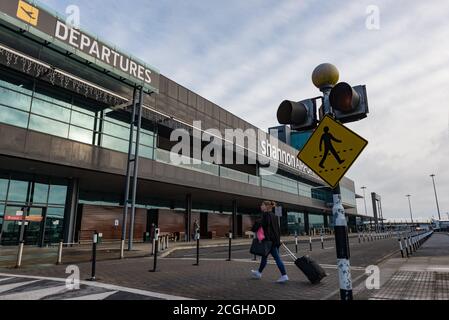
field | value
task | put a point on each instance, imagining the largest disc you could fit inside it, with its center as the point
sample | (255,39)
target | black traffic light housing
(349,103)
(299,115)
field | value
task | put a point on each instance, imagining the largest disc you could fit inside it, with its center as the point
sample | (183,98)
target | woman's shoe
(283,279)
(256,274)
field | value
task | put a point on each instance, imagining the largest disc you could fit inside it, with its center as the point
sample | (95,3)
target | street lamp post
(410,206)
(364,199)
(436,197)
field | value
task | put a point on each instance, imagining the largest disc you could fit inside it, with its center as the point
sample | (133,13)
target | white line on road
(93,297)
(104,286)
(35,294)
(12,286)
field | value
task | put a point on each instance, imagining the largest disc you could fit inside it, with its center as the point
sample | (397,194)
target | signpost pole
(340,223)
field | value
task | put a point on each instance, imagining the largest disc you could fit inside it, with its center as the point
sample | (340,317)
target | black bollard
(400,247)
(156,249)
(296,243)
(230,246)
(94,256)
(310,243)
(197,237)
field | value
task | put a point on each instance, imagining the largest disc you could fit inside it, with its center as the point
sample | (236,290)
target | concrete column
(70,211)
(306,223)
(234,219)
(189,217)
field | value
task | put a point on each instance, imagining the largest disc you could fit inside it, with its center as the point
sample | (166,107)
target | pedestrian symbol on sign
(327,139)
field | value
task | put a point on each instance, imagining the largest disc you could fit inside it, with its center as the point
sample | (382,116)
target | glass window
(146,139)
(55,212)
(50,110)
(3,189)
(57,194)
(18,191)
(48,97)
(114,143)
(49,126)
(13,117)
(40,193)
(115,130)
(20,87)
(316,221)
(146,152)
(81,135)
(15,99)
(2,210)
(82,120)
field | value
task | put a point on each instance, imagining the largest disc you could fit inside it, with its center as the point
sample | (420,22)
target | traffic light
(299,115)
(349,103)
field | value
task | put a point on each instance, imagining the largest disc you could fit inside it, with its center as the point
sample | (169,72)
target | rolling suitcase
(308,266)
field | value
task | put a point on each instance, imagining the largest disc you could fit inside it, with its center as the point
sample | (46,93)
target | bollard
(94,255)
(230,246)
(406,247)
(153,245)
(310,243)
(60,253)
(122,249)
(155,248)
(296,243)
(400,247)
(322,243)
(358,234)
(19,255)
(410,243)
(197,237)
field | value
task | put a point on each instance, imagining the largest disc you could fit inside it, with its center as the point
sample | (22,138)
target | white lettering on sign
(287,158)
(87,44)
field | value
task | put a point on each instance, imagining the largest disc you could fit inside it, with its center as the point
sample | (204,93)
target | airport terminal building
(66,105)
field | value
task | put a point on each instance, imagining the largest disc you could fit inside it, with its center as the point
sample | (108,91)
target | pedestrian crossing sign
(332,150)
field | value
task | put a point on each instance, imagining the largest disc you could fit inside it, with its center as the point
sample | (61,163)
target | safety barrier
(410,242)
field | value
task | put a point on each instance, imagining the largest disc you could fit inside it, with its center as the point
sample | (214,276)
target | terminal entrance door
(31,217)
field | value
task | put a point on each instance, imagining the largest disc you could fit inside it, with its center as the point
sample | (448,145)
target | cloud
(248,56)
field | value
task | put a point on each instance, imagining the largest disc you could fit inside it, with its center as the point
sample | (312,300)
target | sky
(248,56)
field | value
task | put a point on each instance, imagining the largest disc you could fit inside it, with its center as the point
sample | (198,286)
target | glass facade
(296,223)
(32,107)
(41,201)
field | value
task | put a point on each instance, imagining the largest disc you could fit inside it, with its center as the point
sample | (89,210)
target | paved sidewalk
(423,276)
(217,279)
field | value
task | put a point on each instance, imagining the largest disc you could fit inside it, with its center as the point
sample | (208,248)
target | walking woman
(272,232)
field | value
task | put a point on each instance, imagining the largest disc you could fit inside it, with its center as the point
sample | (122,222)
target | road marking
(271,262)
(34,294)
(104,286)
(6,279)
(93,297)
(11,286)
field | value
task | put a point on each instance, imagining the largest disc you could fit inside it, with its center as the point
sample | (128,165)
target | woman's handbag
(261,248)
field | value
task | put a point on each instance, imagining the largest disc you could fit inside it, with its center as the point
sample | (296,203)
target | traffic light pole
(342,246)
(340,226)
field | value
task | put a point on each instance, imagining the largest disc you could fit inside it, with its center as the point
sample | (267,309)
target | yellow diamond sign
(331,150)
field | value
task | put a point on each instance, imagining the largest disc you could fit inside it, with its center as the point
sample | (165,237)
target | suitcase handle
(289,252)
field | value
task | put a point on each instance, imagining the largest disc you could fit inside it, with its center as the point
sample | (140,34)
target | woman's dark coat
(269,223)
